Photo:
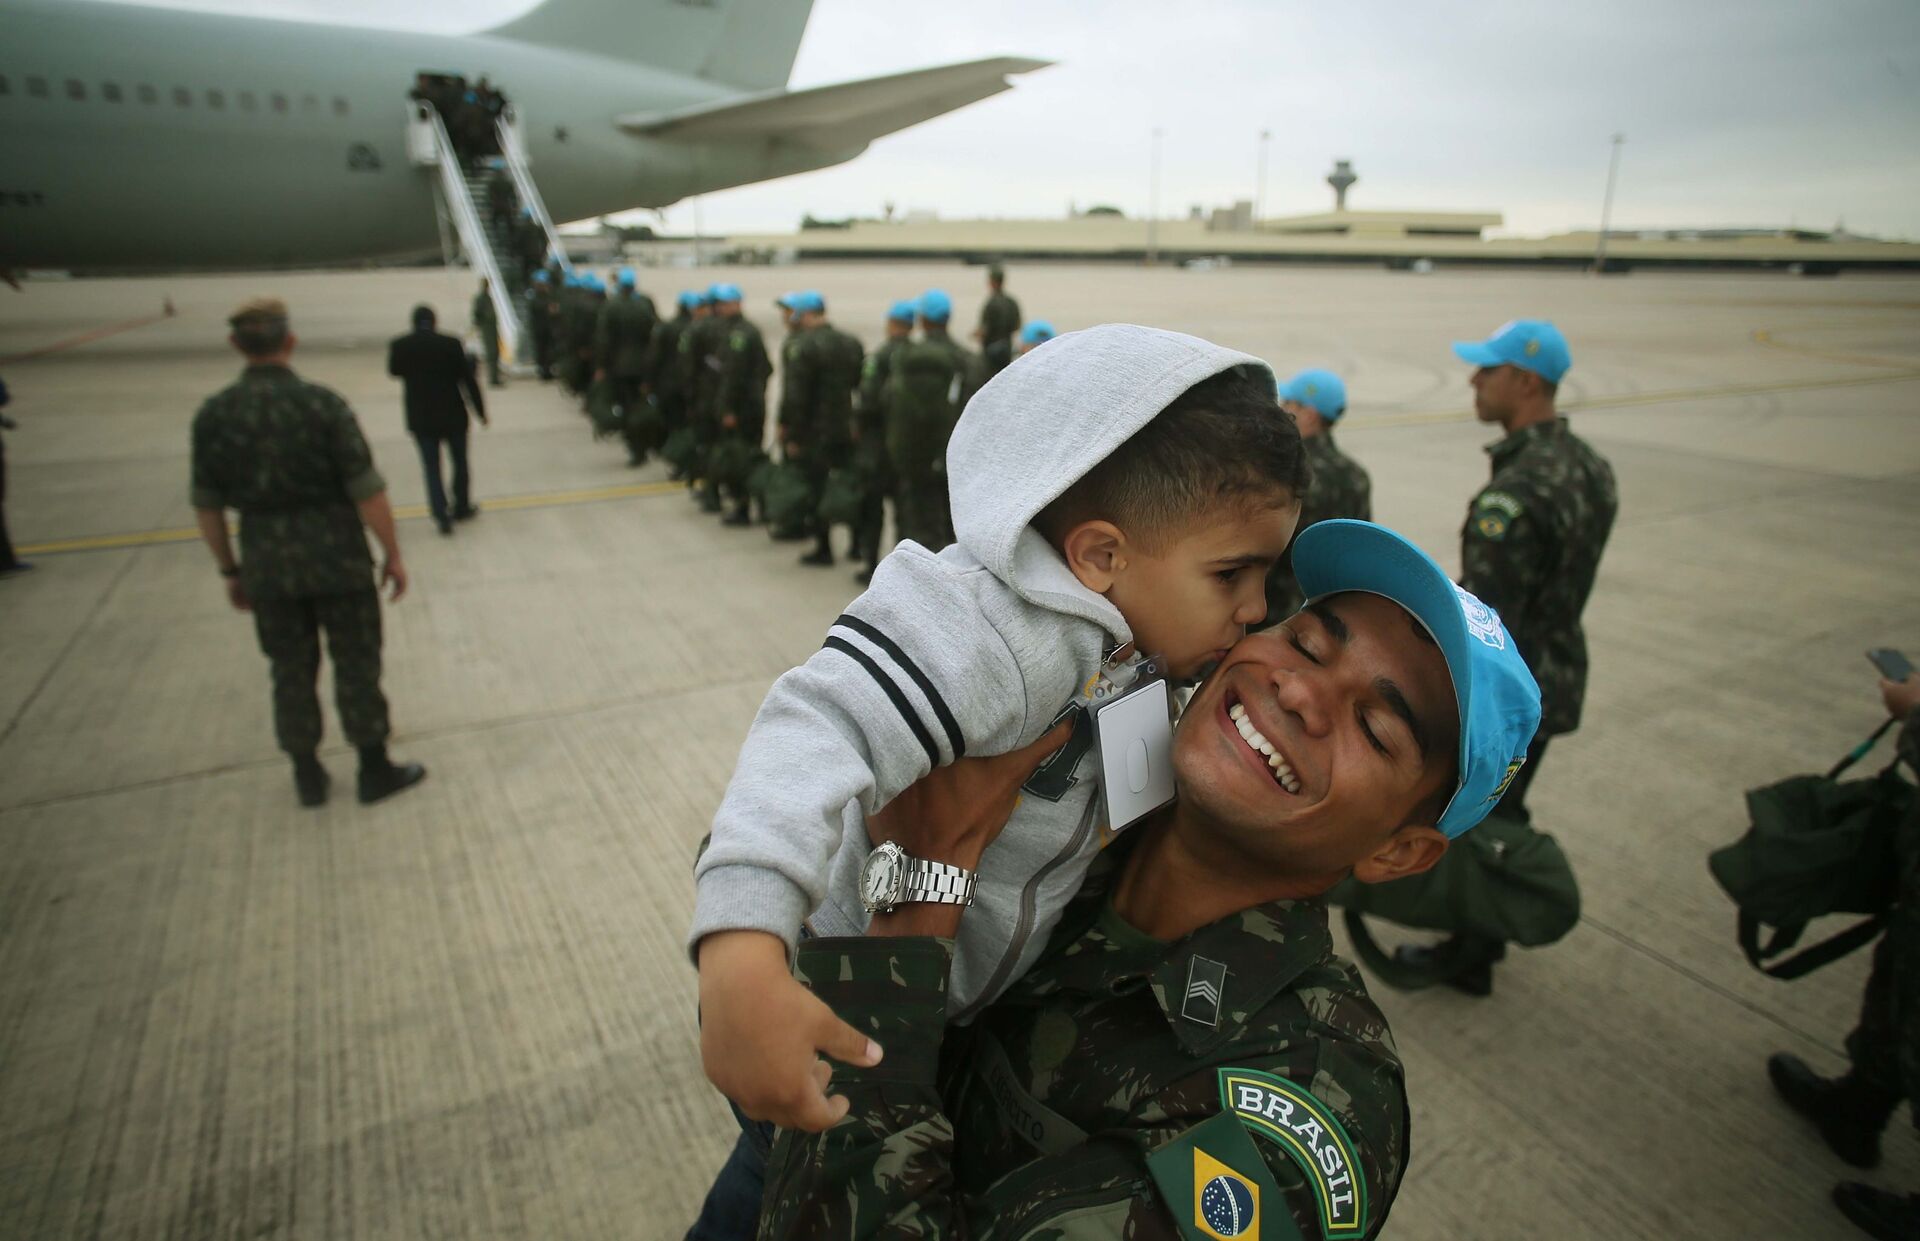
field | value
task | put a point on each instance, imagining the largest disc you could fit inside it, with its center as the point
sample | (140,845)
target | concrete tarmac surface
(467,1013)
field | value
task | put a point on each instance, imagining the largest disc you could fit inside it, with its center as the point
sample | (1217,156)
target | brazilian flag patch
(1288,1115)
(1218,1187)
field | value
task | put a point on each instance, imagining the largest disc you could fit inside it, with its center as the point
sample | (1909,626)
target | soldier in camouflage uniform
(540,310)
(1189,1058)
(870,438)
(700,348)
(663,364)
(1531,548)
(821,369)
(999,320)
(739,388)
(486,325)
(931,382)
(1883,1051)
(622,346)
(1339,487)
(290,457)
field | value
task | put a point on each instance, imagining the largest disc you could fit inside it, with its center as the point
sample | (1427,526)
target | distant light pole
(1260,185)
(1606,208)
(1153,205)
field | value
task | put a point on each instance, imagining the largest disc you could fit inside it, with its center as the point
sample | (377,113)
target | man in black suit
(440,382)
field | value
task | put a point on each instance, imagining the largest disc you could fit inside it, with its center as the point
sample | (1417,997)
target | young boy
(1118,493)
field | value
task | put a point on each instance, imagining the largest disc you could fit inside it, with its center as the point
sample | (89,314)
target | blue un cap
(903,312)
(1036,332)
(724,293)
(626,276)
(1319,390)
(1530,344)
(689,299)
(1498,699)
(935,306)
(806,302)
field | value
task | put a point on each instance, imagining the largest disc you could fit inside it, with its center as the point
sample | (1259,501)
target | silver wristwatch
(892,878)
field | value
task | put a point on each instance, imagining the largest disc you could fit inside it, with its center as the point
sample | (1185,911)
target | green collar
(1514,444)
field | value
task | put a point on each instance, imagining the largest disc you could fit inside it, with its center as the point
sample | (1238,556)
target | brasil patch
(1217,1186)
(1288,1115)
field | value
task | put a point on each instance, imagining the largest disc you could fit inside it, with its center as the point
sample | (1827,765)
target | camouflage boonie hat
(259,312)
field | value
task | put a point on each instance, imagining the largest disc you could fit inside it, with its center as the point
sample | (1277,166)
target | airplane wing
(840,116)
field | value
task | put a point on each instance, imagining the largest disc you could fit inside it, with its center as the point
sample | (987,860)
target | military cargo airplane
(134,137)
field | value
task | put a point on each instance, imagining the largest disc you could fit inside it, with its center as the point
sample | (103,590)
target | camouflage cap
(258,312)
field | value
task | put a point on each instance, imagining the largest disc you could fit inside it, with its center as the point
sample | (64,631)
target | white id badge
(1133,731)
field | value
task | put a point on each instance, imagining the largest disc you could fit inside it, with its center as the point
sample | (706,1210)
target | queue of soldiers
(851,429)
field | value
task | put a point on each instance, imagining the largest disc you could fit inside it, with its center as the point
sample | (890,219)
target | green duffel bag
(1816,846)
(730,462)
(1501,881)
(790,501)
(645,427)
(843,497)
(601,410)
(681,450)
(757,480)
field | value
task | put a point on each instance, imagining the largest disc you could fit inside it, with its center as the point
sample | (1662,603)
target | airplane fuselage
(135,137)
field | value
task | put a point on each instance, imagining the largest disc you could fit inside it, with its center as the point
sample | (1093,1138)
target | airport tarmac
(466,1013)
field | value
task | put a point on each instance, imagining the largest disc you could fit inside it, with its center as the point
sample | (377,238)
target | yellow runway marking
(405,512)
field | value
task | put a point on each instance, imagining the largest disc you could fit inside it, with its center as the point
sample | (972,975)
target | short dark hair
(259,337)
(1225,440)
(423,316)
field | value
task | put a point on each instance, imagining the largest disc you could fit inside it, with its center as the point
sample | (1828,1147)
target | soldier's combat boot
(821,555)
(710,500)
(381,777)
(1464,962)
(738,517)
(1849,1113)
(310,780)
(1879,1212)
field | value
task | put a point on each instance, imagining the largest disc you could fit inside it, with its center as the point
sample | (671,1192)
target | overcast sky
(1750,112)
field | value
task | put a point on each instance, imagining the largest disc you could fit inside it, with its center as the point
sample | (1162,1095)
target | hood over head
(1042,423)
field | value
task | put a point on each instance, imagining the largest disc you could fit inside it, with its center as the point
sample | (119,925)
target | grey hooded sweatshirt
(977,649)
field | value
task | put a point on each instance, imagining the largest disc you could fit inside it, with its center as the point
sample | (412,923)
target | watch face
(880,883)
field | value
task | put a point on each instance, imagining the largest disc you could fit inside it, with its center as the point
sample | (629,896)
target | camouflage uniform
(820,371)
(290,457)
(740,388)
(487,326)
(622,346)
(664,370)
(1531,548)
(931,381)
(870,449)
(1885,1046)
(541,311)
(999,320)
(1040,1119)
(1339,488)
(699,371)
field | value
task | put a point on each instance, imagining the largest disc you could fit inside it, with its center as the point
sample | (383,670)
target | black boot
(1849,1113)
(1464,962)
(310,780)
(710,501)
(381,777)
(822,553)
(1879,1212)
(738,517)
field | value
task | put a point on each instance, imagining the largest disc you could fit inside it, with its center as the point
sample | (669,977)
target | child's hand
(762,1034)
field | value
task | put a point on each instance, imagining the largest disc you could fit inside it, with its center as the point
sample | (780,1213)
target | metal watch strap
(937,883)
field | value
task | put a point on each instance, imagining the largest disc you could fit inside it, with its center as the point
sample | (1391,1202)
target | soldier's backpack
(681,449)
(789,501)
(1503,880)
(730,462)
(1817,846)
(844,496)
(601,410)
(645,425)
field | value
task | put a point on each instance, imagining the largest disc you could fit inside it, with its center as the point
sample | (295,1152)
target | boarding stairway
(486,243)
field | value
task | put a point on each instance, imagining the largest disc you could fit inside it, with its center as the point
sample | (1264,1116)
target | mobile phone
(1892,664)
